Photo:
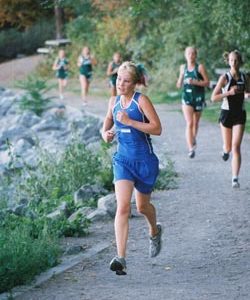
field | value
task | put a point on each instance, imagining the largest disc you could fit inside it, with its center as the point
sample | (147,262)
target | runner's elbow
(206,84)
(158,130)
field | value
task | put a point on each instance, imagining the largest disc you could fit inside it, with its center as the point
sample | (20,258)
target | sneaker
(235,183)
(155,243)
(118,265)
(191,153)
(225,156)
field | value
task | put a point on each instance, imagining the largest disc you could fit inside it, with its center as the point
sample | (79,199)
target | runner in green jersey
(85,62)
(61,67)
(112,72)
(193,79)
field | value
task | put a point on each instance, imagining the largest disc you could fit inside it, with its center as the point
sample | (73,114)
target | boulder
(99,215)
(83,211)
(108,204)
(87,192)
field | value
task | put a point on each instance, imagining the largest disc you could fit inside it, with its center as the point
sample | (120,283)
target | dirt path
(206,251)
(17,69)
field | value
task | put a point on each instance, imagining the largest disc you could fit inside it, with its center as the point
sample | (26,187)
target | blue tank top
(132,143)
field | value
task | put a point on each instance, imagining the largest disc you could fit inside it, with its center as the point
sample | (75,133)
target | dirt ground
(206,223)
(17,69)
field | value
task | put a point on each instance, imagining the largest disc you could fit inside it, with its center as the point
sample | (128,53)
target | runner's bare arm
(217,94)
(107,132)
(181,76)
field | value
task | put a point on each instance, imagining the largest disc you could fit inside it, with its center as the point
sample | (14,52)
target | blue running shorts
(142,172)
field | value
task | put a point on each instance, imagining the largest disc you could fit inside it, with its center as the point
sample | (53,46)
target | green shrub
(13,41)
(35,98)
(58,176)
(24,251)
(166,178)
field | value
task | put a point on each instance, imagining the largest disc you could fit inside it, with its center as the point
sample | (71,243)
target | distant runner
(61,67)
(231,89)
(193,79)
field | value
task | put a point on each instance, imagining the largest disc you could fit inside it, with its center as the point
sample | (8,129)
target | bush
(60,175)
(166,177)
(29,245)
(35,98)
(24,252)
(13,42)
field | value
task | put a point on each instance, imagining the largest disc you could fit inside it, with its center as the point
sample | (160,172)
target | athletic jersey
(192,93)
(86,66)
(62,71)
(234,103)
(113,77)
(132,143)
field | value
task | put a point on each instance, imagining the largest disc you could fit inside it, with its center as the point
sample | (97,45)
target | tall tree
(59,19)
(19,13)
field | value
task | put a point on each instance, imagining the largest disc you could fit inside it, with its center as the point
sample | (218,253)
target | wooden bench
(43,50)
(57,43)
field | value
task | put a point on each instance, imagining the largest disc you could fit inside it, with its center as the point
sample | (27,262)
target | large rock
(108,204)
(5,104)
(28,119)
(99,215)
(62,210)
(28,134)
(83,211)
(87,192)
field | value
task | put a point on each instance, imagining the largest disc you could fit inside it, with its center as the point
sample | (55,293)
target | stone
(86,192)
(98,215)
(83,211)
(73,250)
(28,119)
(20,210)
(108,203)
(62,210)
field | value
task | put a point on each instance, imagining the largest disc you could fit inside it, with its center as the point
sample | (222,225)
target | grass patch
(24,251)
(169,98)
(211,112)
(29,243)
(248,114)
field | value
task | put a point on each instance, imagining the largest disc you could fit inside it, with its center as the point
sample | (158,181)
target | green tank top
(113,77)
(192,93)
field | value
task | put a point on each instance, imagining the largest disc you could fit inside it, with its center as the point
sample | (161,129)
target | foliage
(157,32)
(60,175)
(166,178)
(23,251)
(29,244)
(35,98)
(14,42)
(21,13)
(77,228)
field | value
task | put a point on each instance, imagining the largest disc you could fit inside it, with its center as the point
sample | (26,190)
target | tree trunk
(59,16)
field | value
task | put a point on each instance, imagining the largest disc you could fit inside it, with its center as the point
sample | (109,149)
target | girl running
(112,72)
(135,165)
(85,63)
(193,78)
(61,67)
(231,89)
